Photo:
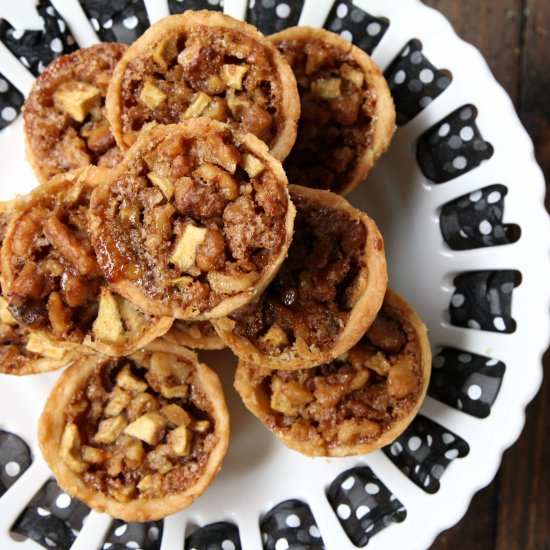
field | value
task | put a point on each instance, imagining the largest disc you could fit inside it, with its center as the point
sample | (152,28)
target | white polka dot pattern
(119,21)
(272,16)
(36,48)
(414,81)
(221,535)
(290,524)
(453,146)
(487,300)
(364,507)
(424,459)
(355,25)
(52,518)
(466,381)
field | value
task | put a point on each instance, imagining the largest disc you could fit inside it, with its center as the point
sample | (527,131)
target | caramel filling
(310,299)
(335,125)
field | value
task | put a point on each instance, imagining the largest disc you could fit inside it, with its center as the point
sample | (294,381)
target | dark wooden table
(514,510)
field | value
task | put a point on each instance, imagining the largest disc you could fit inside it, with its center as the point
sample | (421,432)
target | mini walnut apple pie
(138,437)
(196,222)
(51,280)
(355,404)
(193,334)
(23,351)
(347,114)
(326,294)
(206,64)
(65,124)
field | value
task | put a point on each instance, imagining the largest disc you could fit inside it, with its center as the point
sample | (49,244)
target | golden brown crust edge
(370,287)
(197,127)
(290,107)
(384,114)
(51,426)
(257,401)
(182,333)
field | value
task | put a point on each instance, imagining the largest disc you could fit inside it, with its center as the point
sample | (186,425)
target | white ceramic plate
(488,330)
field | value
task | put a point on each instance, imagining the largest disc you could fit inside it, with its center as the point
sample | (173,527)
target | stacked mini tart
(164,221)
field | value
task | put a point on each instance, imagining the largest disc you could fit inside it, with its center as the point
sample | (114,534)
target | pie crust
(347,113)
(357,403)
(203,63)
(196,222)
(65,124)
(326,294)
(194,335)
(138,437)
(50,277)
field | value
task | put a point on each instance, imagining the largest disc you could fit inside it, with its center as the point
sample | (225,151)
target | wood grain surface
(513,512)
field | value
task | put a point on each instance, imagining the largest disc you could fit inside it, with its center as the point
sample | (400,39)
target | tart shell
(368,294)
(251,384)
(52,425)
(381,113)
(178,26)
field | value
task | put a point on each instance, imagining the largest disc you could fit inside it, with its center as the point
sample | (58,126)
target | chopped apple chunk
(108,325)
(40,345)
(109,429)
(76,99)
(231,283)
(233,75)
(167,187)
(326,88)
(148,428)
(253,166)
(151,96)
(185,250)
(198,106)
(118,402)
(180,440)
(128,381)
(69,449)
